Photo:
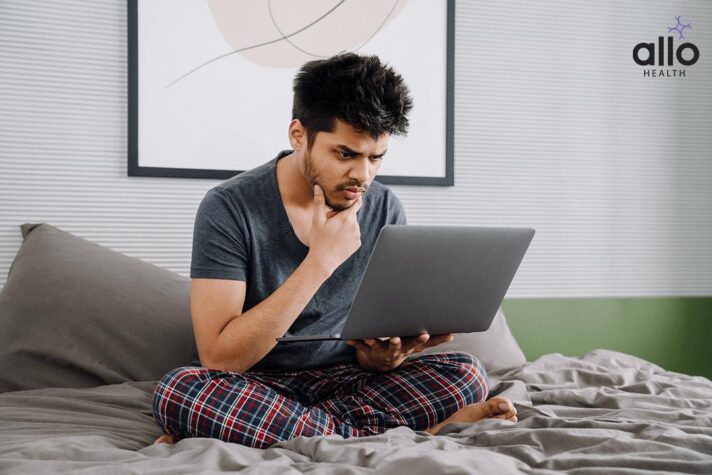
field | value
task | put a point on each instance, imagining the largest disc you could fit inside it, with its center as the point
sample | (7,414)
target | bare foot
(495,408)
(167,439)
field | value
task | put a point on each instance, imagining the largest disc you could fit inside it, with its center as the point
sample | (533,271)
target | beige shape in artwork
(300,31)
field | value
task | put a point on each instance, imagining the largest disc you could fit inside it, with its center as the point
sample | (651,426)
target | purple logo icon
(679,28)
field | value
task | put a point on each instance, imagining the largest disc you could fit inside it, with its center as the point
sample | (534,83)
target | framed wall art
(210,81)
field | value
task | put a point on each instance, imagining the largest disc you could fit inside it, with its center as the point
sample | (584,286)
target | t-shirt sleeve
(219,240)
(396,211)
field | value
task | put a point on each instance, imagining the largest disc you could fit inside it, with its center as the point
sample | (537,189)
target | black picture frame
(136,170)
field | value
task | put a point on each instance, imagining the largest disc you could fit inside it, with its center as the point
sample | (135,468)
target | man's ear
(297,135)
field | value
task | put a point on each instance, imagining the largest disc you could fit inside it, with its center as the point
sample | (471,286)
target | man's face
(343,163)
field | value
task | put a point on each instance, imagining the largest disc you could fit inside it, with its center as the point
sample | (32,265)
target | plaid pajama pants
(260,408)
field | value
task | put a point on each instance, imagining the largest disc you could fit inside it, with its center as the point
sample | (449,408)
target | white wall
(556,128)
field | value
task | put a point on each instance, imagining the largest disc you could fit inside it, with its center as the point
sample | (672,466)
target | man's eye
(347,155)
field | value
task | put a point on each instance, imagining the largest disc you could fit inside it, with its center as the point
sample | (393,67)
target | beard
(312,175)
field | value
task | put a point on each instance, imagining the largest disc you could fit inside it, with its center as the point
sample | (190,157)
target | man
(280,249)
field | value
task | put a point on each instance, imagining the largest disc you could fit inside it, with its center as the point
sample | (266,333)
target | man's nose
(361,171)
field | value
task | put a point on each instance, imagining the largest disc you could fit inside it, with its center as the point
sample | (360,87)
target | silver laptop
(438,279)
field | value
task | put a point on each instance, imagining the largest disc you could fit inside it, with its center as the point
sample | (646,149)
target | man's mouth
(352,193)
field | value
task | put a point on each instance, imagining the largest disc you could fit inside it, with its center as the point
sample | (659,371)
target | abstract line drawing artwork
(210,81)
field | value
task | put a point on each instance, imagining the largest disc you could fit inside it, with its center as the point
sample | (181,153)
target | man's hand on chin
(382,355)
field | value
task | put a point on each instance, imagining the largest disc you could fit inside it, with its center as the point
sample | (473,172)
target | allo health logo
(666,59)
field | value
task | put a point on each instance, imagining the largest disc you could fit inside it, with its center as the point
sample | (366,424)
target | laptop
(437,279)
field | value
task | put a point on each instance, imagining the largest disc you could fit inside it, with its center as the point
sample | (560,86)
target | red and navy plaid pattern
(260,408)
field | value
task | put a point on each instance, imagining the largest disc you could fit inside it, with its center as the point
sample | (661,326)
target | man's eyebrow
(346,148)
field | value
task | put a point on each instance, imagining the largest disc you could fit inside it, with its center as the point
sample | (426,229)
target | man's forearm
(248,337)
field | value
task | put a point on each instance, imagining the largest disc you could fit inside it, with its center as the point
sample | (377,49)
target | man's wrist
(317,267)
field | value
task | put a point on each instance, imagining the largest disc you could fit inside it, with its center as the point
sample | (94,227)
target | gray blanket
(604,412)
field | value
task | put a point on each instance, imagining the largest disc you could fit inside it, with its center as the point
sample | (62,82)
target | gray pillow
(496,347)
(77,314)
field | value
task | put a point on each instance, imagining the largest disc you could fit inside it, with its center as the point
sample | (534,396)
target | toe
(166,439)
(501,408)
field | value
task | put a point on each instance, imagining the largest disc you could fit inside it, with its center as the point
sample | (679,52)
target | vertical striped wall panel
(555,128)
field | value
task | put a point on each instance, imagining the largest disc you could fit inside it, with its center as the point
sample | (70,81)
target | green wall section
(672,332)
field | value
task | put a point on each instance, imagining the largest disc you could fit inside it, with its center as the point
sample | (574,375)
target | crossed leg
(258,409)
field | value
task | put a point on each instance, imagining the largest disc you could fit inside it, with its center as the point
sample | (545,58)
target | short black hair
(358,89)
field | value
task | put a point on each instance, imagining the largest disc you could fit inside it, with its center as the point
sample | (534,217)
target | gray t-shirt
(242,232)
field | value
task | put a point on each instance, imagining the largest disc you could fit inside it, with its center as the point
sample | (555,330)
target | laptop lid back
(439,279)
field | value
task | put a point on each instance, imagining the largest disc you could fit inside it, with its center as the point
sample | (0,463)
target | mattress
(603,412)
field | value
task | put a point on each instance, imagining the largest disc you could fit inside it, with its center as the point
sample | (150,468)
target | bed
(86,332)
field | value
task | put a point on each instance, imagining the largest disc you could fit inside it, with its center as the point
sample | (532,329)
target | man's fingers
(412,343)
(354,207)
(320,202)
(319,195)
(359,345)
(444,338)
(415,343)
(438,339)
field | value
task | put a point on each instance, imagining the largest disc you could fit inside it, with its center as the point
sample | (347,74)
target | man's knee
(171,386)
(178,379)
(471,375)
(175,388)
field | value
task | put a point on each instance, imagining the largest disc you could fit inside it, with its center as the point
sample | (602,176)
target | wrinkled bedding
(603,412)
